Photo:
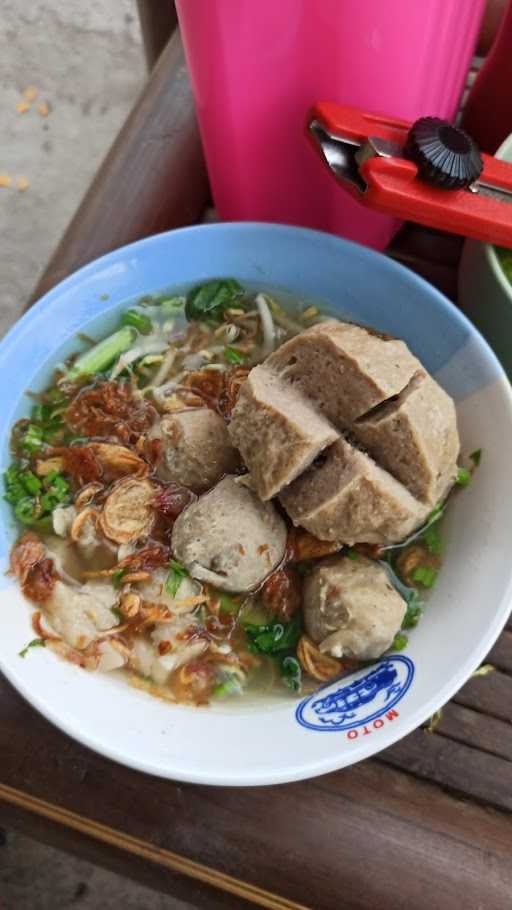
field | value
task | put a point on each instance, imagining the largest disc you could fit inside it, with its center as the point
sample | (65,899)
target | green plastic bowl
(485,293)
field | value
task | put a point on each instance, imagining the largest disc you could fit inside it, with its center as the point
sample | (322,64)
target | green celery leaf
(177,572)
(117,578)
(233,356)
(207,302)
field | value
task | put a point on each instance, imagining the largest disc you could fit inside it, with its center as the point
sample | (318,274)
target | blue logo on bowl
(371,694)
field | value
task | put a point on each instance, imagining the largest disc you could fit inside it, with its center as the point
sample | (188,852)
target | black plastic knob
(446,156)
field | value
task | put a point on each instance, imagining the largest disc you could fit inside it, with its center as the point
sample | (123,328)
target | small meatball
(229,537)
(351,608)
(196,450)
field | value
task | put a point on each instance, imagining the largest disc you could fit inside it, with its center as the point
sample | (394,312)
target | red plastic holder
(391,183)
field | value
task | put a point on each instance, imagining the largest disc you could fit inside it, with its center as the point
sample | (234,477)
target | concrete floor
(36,877)
(87,62)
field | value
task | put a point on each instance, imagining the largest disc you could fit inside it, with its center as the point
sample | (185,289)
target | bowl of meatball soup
(255,503)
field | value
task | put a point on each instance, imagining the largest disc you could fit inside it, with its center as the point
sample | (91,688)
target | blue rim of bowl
(109,259)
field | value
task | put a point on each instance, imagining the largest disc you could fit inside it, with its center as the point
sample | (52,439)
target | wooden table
(426,824)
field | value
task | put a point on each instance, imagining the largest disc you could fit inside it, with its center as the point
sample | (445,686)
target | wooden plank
(365,837)
(154,874)
(474,729)
(463,725)
(488,694)
(465,770)
(501,654)
(157,21)
(152,179)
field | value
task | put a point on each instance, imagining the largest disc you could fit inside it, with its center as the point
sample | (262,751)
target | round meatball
(229,537)
(196,450)
(351,608)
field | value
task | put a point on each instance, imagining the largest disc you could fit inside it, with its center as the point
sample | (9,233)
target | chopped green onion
(425,575)
(177,572)
(414,610)
(207,302)
(254,614)
(26,510)
(433,540)
(233,356)
(463,477)
(228,604)
(35,643)
(400,642)
(102,355)
(476,457)
(351,553)
(275,636)
(138,321)
(33,500)
(230,686)
(31,483)
(172,305)
(31,439)
(117,578)
(291,673)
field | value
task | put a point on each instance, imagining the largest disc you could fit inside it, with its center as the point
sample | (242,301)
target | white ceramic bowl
(281,739)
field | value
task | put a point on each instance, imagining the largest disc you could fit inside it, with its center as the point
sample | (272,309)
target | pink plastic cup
(258,65)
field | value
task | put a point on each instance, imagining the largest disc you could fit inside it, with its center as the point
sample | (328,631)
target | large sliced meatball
(196,450)
(277,430)
(415,437)
(346,497)
(351,608)
(344,369)
(228,537)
